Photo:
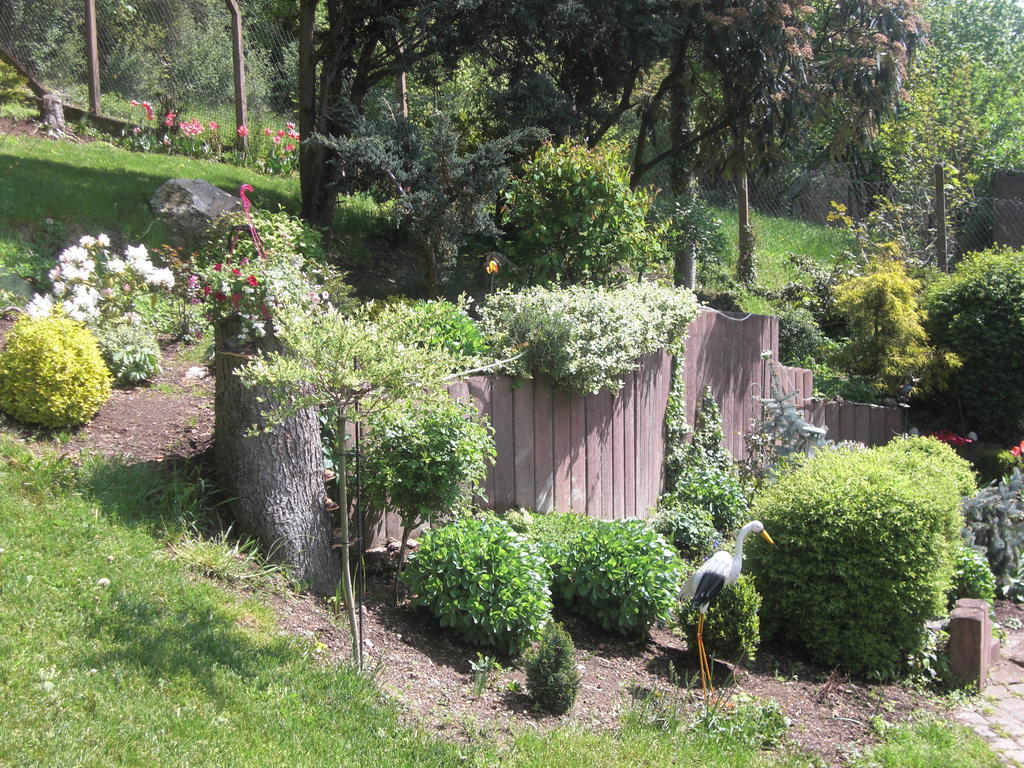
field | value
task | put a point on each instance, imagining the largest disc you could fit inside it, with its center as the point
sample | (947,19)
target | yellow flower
(492,267)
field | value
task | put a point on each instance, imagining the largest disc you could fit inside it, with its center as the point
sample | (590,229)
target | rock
(189,205)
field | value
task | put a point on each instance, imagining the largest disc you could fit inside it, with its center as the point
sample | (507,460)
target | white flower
(135,253)
(74,254)
(55,273)
(103,240)
(161,277)
(40,306)
(117,265)
(59,288)
(87,241)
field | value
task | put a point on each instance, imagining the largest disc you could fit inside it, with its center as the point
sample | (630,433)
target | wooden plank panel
(847,427)
(561,415)
(543,447)
(629,447)
(895,421)
(522,410)
(862,424)
(481,390)
(504,442)
(607,505)
(644,419)
(808,384)
(662,378)
(618,435)
(879,426)
(578,453)
(593,447)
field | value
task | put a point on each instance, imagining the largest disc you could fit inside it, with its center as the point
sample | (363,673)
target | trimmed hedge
(866,547)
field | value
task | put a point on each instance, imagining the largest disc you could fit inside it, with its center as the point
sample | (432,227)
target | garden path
(998,715)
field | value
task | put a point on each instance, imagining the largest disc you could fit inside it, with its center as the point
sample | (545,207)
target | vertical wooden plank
(879,426)
(522,407)
(808,384)
(640,437)
(607,505)
(92,57)
(629,447)
(846,429)
(895,421)
(504,443)
(481,390)
(664,385)
(578,453)
(238,70)
(862,424)
(543,447)
(561,445)
(644,400)
(618,456)
(593,444)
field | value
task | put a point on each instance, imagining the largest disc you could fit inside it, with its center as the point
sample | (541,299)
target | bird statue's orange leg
(700,654)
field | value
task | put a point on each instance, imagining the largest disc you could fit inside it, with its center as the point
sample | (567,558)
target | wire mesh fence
(175,54)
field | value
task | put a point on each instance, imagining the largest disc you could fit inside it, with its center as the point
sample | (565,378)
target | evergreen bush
(51,372)
(483,580)
(551,675)
(977,313)
(866,547)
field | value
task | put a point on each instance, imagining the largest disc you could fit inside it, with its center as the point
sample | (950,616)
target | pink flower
(277,139)
(217,267)
(193,281)
(236,272)
(134,103)
(169,119)
(213,125)
(289,147)
(280,134)
(206,290)
(136,129)
(243,261)
(266,131)
(290,126)
(252,281)
(166,141)
(243,131)
(149,110)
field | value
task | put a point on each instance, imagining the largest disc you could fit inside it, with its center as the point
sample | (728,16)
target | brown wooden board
(618,457)
(629,445)
(562,447)
(607,505)
(522,427)
(481,389)
(504,464)
(578,453)
(593,443)
(543,447)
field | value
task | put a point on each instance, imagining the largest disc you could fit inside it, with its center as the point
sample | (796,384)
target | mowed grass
(113,653)
(776,238)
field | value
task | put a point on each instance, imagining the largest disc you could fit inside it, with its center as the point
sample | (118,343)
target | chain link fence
(175,54)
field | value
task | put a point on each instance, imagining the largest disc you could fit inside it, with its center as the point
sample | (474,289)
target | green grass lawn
(112,653)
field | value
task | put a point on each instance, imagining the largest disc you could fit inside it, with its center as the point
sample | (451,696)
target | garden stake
(719,570)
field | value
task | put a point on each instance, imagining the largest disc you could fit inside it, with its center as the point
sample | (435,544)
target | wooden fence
(602,454)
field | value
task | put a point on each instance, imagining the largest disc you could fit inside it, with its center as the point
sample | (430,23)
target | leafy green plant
(977,313)
(732,626)
(551,674)
(692,229)
(51,372)
(800,336)
(686,525)
(994,519)
(556,534)
(585,338)
(620,574)
(482,668)
(885,522)
(574,217)
(759,724)
(130,351)
(972,577)
(483,580)
(425,459)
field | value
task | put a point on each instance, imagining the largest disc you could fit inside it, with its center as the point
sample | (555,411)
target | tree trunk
(685,273)
(745,262)
(274,479)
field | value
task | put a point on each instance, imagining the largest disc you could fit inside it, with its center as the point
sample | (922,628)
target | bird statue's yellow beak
(767,538)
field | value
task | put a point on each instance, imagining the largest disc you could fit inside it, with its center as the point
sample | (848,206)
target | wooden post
(92,57)
(745,262)
(238,60)
(940,217)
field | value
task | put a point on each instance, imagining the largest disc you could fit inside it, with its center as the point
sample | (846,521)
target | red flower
(280,134)
(243,131)
(206,290)
(217,267)
(236,299)
(1017,450)
(219,296)
(236,272)
(266,131)
(253,281)
(169,119)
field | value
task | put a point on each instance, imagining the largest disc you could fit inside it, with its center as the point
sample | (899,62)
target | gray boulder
(188,206)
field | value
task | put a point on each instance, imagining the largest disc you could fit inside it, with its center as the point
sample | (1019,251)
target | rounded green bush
(483,580)
(51,373)
(685,525)
(972,577)
(928,457)
(866,545)
(620,574)
(978,313)
(732,627)
(551,675)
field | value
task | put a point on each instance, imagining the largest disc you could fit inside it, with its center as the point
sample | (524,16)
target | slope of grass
(111,654)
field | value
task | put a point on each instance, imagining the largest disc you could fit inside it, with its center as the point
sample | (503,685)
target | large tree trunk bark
(274,479)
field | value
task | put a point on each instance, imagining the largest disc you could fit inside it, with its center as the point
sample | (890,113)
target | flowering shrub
(270,151)
(90,282)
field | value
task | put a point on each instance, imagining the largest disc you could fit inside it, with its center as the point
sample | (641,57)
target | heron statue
(718,571)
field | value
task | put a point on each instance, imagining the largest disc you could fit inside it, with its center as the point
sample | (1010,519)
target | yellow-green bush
(51,373)
(732,627)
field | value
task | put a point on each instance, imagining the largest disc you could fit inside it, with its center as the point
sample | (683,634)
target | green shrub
(685,525)
(556,535)
(994,516)
(928,457)
(483,580)
(130,351)
(690,223)
(800,336)
(732,627)
(435,324)
(620,574)
(972,577)
(574,217)
(585,338)
(426,459)
(866,544)
(977,313)
(994,464)
(51,373)
(551,675)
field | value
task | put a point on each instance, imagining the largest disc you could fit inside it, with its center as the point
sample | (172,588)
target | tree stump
(274,480)
(52,114)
